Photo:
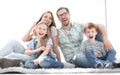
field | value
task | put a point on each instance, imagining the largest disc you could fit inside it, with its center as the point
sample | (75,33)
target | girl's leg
(50,62)
(30,64)
(12,46)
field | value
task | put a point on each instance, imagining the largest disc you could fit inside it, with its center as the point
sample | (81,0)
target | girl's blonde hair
(43,41)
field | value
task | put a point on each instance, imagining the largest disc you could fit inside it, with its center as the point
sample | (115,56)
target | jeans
(109,57)
(47,62)
(80,60)
(14,49)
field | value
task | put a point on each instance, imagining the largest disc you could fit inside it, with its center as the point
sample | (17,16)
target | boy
(94,50)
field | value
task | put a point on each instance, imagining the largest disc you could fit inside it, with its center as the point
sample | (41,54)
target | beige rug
(18,70)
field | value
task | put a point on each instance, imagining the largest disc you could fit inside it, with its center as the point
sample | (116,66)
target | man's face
(64,17)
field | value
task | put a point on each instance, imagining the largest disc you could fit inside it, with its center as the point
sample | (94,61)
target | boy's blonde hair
(89,26)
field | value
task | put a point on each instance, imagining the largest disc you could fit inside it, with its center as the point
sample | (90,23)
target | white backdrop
(16,16)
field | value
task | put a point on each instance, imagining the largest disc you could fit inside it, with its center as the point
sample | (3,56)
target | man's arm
(103,31)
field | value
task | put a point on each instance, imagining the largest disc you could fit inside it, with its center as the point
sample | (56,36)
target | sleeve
(82,48)
(82,26)
(31,43)
(54,31)
(50,42)
(101,45)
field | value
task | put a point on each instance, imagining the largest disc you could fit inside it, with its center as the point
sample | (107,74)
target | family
(44,39)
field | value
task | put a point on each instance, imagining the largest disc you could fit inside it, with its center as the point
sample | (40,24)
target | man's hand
(107,44)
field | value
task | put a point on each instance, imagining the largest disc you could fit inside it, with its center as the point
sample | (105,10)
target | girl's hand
(36,62)
(42,48)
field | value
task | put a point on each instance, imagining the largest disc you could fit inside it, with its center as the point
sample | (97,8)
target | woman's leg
(12,46)
(23,57)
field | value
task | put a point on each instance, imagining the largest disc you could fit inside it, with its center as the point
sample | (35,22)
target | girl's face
(91,34)
(41,30)
(48,18)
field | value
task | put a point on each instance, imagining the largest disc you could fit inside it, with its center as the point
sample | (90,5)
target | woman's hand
(33,27)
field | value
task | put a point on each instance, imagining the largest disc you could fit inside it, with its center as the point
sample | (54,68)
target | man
(71,36)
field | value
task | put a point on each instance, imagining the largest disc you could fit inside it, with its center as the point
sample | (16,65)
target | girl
(41,49)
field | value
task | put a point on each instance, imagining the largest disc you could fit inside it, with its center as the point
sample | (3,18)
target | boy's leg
(109,58)
(95,62)
(111,55)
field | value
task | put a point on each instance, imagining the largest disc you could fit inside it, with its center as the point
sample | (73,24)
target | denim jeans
(13,49)
(109,57)
(80,60)
(47,62)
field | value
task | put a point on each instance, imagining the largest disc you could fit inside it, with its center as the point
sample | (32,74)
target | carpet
(21,70)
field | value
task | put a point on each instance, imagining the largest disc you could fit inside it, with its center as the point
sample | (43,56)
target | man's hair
(89,26)
(61,9)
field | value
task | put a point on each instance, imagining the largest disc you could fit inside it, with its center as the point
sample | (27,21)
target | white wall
(113,23)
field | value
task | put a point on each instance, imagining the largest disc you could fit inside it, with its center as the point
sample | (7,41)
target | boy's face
(41,30)
(91,34)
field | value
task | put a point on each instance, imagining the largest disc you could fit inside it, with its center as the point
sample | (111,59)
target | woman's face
(41,30)
(48,18)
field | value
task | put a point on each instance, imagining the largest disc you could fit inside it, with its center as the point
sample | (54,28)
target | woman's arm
(28,35)
(103,31)
(55,47)
(54,32)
